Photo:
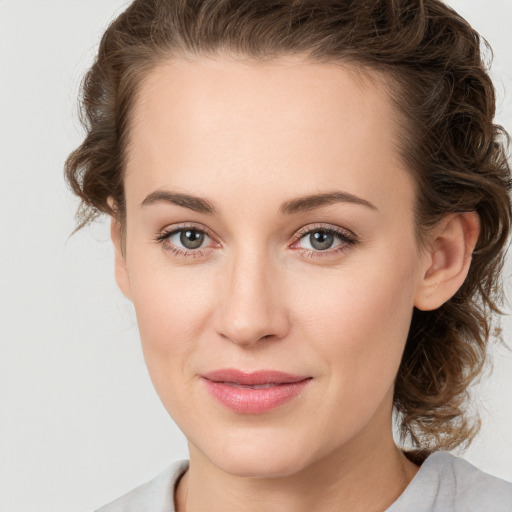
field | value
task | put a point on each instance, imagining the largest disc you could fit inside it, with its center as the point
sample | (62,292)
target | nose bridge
(251,307)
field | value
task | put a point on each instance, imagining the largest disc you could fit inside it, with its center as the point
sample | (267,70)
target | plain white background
(79,421)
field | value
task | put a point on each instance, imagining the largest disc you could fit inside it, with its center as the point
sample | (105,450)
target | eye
(186,241)
(188,238)
(314,241)
(319,240)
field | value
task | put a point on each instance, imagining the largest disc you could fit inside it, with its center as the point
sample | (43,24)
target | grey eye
(321,240)
(188,238)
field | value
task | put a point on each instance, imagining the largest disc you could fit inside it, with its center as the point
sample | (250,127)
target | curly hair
(436,75)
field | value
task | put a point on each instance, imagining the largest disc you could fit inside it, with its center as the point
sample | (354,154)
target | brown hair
(435,74)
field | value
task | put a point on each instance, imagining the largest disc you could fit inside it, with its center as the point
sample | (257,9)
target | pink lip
(231,388)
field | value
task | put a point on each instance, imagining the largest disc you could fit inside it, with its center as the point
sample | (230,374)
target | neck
(367,478)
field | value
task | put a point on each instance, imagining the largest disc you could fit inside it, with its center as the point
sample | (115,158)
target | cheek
(358,322)
(173,306)
(170,307)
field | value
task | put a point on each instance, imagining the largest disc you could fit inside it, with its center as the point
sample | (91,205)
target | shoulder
(445,482)
(481,490)
(157,495)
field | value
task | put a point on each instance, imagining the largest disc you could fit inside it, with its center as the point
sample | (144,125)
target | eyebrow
(293,206)
(313,202)
(197,204)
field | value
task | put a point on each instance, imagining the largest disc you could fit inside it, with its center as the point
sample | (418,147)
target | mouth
(253,392)
(254,386)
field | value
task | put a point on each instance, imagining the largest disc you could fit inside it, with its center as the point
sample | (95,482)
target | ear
(121,271)
(448,258)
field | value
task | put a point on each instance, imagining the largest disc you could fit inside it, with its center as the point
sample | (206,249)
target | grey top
(444,483)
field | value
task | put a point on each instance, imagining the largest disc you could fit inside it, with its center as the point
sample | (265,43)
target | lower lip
(254,401)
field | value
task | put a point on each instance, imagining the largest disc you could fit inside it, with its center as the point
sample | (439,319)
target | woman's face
(270,228)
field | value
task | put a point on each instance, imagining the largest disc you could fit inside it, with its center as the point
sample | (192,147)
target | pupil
(321,240)
(191,239)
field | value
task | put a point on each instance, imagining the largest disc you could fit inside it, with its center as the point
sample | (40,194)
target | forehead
(268,120)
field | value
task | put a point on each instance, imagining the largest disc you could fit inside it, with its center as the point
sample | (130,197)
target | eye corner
(164,238)
(346,238)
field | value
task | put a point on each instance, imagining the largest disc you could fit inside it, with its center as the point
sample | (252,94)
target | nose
(251,305)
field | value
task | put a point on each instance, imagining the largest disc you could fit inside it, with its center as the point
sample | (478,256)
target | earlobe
(121,271)
(447,260)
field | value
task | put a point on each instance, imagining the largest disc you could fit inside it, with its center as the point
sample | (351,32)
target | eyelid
(176,228)
(163,239)
(342,232)
(347,238)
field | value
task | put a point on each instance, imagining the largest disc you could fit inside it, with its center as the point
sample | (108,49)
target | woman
(310,206)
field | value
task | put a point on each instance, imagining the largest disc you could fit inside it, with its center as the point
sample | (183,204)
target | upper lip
(252,378)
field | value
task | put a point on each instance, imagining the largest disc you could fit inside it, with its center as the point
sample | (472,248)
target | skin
(248,138)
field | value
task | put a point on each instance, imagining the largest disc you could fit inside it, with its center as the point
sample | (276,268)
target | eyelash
(347,239)
(163,237)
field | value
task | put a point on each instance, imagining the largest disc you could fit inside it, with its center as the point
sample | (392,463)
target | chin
(259,455)
(262,465)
